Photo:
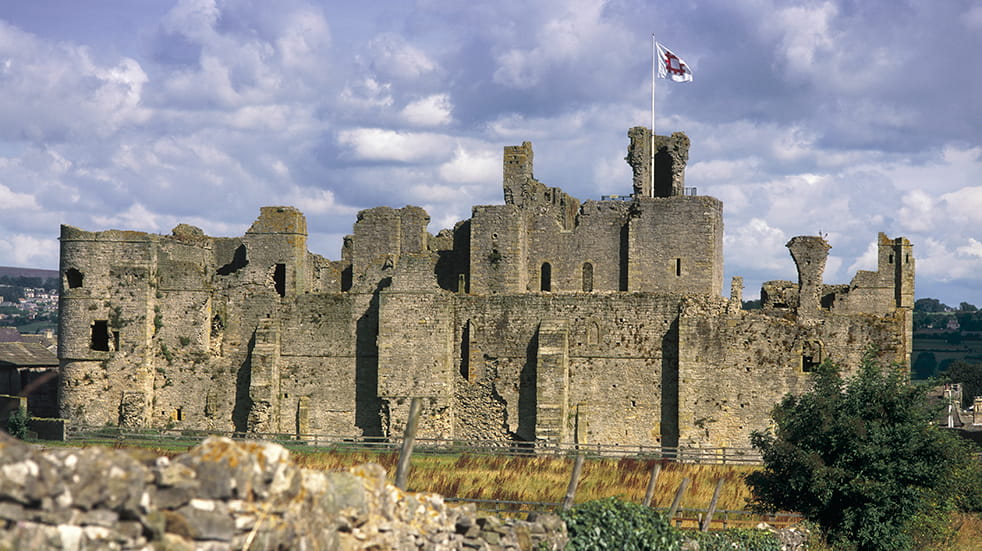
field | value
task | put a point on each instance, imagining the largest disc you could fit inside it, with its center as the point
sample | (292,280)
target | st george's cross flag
(671,66)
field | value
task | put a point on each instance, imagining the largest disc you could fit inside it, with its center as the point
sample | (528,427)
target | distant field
(943,352)
(27,272)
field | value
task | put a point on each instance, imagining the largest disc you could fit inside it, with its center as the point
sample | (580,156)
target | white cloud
(972,250)
(577,34)
(432,110)
(756,245)
(26,250)
(866,261)
(391,56)
(12,200)
(965,206)
(378,144)
(368,93)
(917,213)
(54,92)
(312,201)
(136,217)
(806,34)
(471,167)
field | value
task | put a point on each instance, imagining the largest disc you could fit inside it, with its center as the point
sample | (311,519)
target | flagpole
(651,167)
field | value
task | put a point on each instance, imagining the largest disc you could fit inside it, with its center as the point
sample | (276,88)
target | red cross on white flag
(671,66)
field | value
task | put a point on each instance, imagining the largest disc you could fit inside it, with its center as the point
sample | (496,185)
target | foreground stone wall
(225,495)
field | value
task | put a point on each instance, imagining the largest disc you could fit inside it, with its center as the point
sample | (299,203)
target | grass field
(545,479)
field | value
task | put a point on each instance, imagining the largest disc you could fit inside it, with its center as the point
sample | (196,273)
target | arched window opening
(546,277)
(593,333)
(587,277)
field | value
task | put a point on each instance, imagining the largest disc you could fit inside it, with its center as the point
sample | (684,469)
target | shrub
(863,459)
(17,424)
(614,524)
(728,540)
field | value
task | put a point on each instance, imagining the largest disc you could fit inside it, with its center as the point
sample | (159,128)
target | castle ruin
(540,319)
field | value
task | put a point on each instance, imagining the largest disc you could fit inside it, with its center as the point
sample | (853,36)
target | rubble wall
(225,495)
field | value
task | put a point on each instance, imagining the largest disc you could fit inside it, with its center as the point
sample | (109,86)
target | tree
(930,305)
(925,366)
(966,307)
(863,459)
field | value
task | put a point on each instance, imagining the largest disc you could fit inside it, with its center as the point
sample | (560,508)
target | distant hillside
(28,272)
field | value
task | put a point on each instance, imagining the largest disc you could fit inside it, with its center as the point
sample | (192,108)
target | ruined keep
(540,319)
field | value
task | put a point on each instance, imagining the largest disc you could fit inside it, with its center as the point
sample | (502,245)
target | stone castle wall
(538,319)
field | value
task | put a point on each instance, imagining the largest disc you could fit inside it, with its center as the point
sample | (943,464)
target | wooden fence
(326,442)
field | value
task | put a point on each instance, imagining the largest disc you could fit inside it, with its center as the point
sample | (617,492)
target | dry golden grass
(545,479)
(969,532)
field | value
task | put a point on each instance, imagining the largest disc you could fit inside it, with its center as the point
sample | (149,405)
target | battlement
(542,318)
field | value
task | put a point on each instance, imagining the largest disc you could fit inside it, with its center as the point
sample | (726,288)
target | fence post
(408,439)
(678,498)
(573,481)
(650,492)
(712,506)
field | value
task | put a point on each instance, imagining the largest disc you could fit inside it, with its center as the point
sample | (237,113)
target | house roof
(9,334)
(26,354)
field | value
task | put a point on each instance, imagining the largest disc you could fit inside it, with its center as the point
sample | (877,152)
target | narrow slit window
(587,277)
(678,267)
(465,351)
(546,277)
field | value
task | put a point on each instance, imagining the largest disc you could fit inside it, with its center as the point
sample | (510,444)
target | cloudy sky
(842,117)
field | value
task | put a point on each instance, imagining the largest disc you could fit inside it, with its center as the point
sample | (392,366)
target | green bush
(17,424)
(614,524)
(863,459)
(741,538)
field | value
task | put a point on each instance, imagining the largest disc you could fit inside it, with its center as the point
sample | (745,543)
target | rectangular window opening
(678,267)
(100,336)
(279,279)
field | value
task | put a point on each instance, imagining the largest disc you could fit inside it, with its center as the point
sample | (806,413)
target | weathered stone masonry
(542,318)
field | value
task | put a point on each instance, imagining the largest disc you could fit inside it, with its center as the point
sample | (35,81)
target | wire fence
(323,442)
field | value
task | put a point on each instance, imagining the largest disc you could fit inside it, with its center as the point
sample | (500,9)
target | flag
(672,66)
